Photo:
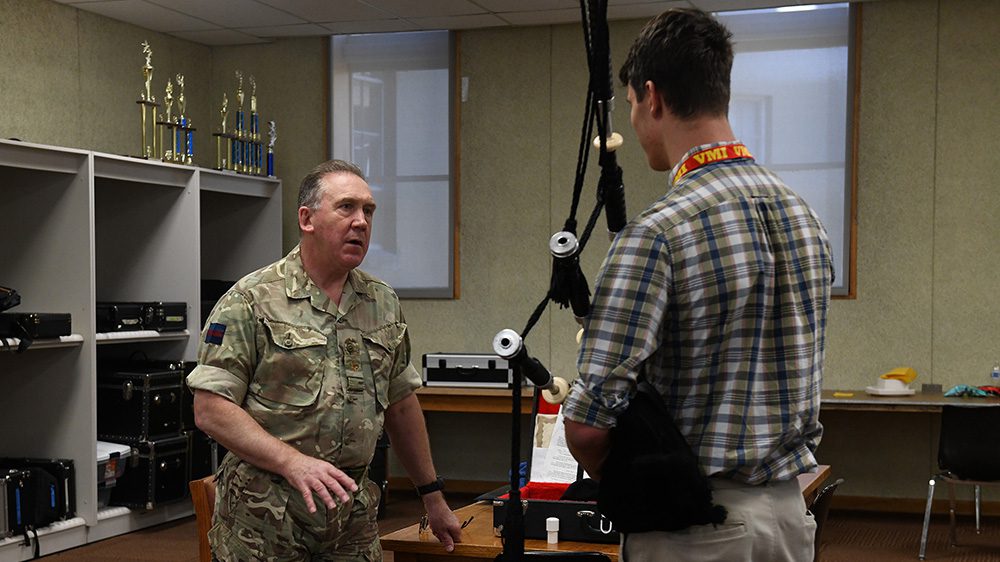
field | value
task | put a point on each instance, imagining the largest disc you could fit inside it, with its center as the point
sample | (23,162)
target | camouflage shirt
(317,376)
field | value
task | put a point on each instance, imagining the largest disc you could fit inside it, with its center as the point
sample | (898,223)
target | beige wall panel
(39,74)
(291,77)
(111,80)
(967,202)
(889,323)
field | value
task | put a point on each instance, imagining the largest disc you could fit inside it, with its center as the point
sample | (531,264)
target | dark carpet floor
(847,537)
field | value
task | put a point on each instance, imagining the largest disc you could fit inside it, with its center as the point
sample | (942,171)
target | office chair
(967,456)
(820,508)
(203,498)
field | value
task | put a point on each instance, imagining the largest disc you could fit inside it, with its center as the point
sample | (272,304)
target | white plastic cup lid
(552,524)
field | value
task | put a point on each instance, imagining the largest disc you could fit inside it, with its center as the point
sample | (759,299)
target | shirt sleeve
(623,327)
(405,378)
(228,350)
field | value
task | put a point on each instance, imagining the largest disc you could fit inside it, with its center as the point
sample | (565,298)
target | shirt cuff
(584,407)
(403,384)
(218,381)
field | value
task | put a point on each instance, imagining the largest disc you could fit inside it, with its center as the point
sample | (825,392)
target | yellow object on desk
(905,374)
(838,394)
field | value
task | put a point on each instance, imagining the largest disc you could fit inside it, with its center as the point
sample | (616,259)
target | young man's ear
(655,101)
(305,219)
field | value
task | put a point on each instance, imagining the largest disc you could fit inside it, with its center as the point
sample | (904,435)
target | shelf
(138,170)
(30,156)
(139,336)
(72,340)
(84,227)
(222,181)
(114,521)
(58,536)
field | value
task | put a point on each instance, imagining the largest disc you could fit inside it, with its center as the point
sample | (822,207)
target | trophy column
(147,107)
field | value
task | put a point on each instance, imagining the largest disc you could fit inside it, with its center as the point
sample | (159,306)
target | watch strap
(436,485)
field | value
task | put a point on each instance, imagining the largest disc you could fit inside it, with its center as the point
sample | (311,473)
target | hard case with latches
(139,400)
(158,473)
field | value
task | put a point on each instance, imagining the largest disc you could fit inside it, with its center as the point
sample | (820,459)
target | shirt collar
(693,149)
(298,285)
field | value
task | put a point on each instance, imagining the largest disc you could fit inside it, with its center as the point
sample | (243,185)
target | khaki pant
(260,517)
(767,523)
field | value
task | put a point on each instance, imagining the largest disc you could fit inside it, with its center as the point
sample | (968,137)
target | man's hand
(442,520)
(311,476)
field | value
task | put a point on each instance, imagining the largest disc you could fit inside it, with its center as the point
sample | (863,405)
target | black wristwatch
(435,486)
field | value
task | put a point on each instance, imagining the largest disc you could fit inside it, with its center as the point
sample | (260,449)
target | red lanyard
(712,156)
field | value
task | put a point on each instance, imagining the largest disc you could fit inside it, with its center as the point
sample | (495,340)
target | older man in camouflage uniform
(301,363)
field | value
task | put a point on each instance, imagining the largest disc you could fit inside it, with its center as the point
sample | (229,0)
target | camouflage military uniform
(319,378)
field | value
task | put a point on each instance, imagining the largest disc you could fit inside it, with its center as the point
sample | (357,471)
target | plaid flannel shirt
(717,294)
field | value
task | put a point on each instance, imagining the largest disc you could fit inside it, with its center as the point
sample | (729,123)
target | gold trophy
(238,164)
(220,161)
(167,122)
(184,148)
(147,104)
(273,134)
(253,146)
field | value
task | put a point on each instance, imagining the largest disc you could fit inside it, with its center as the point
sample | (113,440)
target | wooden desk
(919,402)
(497,401)
(480,543)
(471,400)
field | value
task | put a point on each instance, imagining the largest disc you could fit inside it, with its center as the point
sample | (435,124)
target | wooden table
(480,543)
(932,402)
(497,401)
(471,400)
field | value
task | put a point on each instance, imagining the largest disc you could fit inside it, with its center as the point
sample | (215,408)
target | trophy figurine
(273,134)
(220,161)
(147,72)
(238,163)
(147,105)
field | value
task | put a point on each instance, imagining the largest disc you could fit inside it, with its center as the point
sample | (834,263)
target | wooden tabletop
(472,400)
(859,400)
(498,401)
(479,542)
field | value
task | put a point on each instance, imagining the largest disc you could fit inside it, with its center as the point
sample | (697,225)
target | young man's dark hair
(689,56)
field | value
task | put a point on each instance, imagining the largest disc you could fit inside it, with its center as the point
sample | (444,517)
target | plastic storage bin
(111,461)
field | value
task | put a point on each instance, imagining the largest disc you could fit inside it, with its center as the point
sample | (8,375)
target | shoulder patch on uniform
(214,333)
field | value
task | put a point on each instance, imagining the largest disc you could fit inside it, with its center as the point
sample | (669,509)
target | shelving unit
(82,227)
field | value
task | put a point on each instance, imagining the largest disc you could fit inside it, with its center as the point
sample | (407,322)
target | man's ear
(305,219)
(656,106)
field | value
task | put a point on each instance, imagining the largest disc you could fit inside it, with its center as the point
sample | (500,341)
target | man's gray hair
(309,192)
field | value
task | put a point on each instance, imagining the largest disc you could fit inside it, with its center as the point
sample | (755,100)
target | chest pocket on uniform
(382,343)
(291,365)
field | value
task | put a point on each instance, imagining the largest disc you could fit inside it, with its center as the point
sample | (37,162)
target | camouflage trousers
(260,517)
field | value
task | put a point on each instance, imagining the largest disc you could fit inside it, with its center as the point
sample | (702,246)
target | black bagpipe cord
(568,286)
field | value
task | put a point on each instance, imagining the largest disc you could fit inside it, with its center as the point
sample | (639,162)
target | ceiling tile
(427,8)
(144,14)
(502,6)
(324,10)
(231,13)
(542,17)
(219,37)
(643,10)
(459,22)
(728,5)
(369,26)
(297,30)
